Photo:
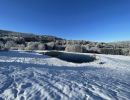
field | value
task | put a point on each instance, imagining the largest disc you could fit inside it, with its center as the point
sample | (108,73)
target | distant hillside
(10,40)
(28,36)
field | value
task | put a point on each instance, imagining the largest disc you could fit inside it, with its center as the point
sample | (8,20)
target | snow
(32,76)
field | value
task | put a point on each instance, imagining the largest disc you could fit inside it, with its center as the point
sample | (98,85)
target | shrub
(126,51)
(74,48)
(111,51)
(85,48)
(94,50)
(1,45)
(10,44)
(32,46)
(41,46)
(21,47)
(50,45)
(59,47)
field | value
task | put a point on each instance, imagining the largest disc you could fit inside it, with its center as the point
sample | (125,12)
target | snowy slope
(31,76)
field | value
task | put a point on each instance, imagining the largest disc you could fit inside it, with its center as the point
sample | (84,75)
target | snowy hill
(32,76)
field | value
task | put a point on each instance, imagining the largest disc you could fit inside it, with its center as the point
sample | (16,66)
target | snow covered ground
(32,76)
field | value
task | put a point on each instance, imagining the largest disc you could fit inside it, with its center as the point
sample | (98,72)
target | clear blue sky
(96,20)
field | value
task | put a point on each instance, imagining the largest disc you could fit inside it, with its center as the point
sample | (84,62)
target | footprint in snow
(27,85)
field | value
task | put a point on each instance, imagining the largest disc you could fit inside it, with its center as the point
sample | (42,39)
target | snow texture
(32,76)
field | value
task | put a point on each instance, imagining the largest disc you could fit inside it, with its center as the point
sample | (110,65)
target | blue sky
(95,20)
